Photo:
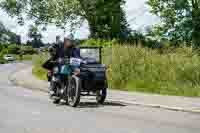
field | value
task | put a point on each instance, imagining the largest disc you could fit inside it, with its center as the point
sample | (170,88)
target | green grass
(131,68)
(25,57)
(3,61)
(162,88)
(176,72)
(38,71)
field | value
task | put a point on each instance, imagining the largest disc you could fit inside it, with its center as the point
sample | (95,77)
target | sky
(137,12)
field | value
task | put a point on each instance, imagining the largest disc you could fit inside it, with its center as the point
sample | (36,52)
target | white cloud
(11,23)
(48,36)
(138,14)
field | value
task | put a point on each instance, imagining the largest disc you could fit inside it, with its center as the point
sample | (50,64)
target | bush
(98,43)
(2,53)
(13,49)
(1,47)
(28,50)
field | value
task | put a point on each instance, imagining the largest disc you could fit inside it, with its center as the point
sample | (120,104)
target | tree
(35,36)
(105,18)
(6,36)
(13,49)
(180,19)
(2,32)
(196,22)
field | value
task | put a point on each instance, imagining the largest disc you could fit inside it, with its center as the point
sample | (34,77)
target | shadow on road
(95,105)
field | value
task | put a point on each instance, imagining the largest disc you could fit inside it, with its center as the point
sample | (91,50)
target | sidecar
(92,80)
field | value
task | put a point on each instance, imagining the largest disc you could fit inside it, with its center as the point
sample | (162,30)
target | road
(25,111)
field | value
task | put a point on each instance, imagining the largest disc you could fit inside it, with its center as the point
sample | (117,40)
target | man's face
(67,43)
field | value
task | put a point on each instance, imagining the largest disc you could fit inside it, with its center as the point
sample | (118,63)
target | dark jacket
(70,52)
(61,53)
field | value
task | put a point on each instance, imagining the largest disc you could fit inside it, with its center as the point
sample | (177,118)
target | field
(38,71)
(131,68)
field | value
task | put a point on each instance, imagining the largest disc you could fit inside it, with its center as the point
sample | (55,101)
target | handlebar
(66,61)
(61,61)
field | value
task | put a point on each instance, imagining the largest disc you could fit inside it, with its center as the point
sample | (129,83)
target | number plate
(75,61)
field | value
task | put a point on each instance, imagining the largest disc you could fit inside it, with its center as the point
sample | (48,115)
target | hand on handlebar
(76,72)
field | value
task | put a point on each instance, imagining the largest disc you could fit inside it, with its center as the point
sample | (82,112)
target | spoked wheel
(54,87)
(101,96)
(74,91)
(65,95)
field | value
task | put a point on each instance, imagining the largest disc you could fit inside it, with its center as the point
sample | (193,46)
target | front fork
(59,85)
(62,86)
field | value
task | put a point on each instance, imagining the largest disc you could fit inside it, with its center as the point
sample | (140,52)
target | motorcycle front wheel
(74,91)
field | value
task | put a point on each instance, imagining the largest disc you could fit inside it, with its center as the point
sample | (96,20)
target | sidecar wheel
(101,96)
(74,91)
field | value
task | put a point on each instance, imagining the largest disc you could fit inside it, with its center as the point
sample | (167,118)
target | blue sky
(137,13)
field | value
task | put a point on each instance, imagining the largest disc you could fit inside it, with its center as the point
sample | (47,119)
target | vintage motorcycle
(91,81)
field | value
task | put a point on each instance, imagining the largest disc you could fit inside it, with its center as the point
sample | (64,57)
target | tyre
(52,89)
(101,96)
(56,101)
(74,91)
(65,95)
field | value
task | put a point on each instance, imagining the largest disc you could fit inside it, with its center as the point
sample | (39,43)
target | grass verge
(38,71)
(131,68)
(25,57)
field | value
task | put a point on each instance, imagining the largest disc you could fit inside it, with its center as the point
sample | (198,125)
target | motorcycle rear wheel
(53,87)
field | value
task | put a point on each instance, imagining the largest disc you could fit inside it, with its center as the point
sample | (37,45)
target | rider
(68,50)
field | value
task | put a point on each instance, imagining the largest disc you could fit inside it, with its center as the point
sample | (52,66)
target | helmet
(69,37)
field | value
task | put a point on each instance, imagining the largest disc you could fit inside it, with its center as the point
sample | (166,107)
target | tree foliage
(105,18)
(180,19)
(35,36)
(6,36)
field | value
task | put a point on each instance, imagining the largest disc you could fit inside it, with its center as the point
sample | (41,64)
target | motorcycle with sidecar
(91,81)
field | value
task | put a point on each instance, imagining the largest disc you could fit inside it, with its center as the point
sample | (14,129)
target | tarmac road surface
(25,111)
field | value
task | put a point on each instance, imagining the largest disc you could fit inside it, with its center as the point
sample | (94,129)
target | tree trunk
(196,23)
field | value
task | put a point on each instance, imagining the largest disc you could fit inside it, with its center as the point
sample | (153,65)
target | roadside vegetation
(166,71)
(174,72)
(164,59)
(37,70)
(15,51)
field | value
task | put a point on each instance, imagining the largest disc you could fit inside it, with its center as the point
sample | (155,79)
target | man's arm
(76,53)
